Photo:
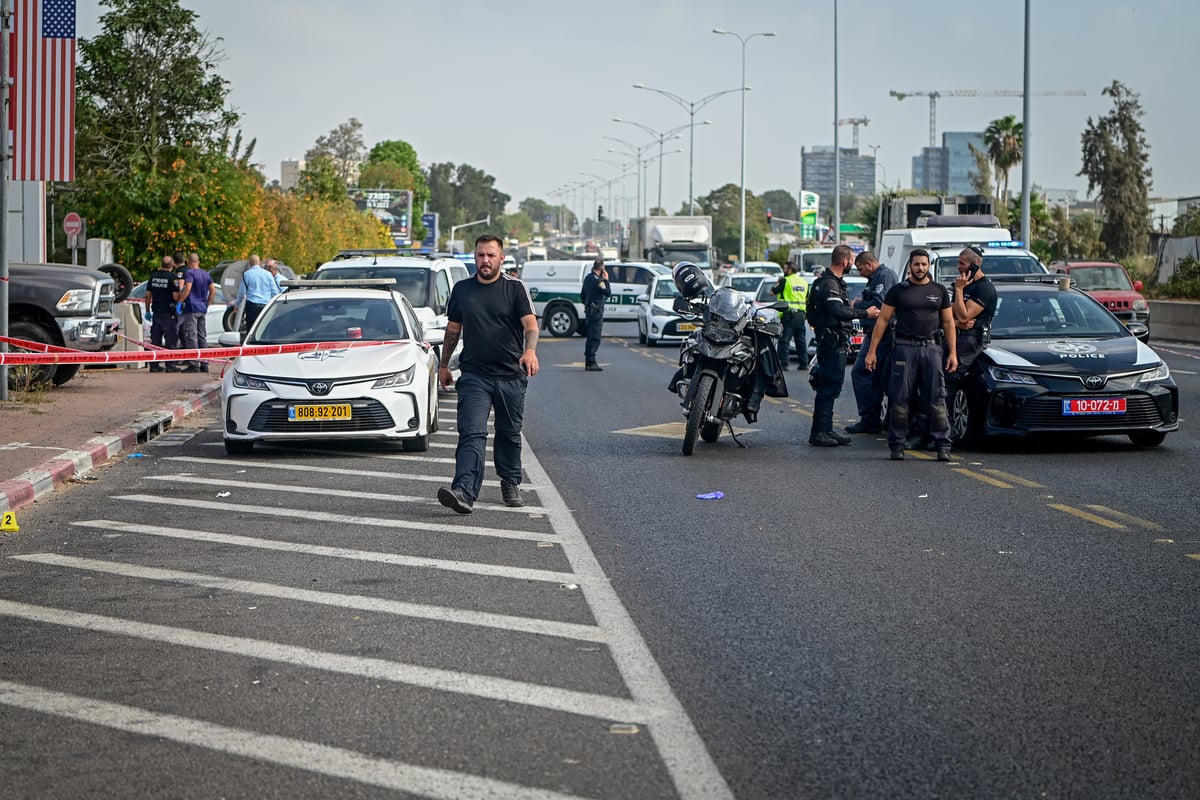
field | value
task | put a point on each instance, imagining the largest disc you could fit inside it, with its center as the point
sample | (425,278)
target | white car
(657,321)
(745,283)
(381,392)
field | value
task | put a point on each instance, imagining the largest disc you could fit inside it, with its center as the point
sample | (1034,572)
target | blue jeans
(478,395)
(869,386)
(831,374)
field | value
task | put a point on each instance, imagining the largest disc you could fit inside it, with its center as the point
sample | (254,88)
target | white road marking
(692,769)
(365,473)
(562,630)
(296,753)
(467,567)
(442,680)
(255,487)
(339,519)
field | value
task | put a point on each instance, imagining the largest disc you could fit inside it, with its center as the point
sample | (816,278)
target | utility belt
(593,308)
(981,335)
(166,311)
(833,336)
(931,342)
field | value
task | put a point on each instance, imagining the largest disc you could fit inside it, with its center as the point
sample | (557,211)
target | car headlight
(401,378)
(243,381)
(1002,375)
(75,300)
(1140,305)
(1159,373)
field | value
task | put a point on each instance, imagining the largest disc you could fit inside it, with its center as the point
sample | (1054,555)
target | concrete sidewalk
(49,437)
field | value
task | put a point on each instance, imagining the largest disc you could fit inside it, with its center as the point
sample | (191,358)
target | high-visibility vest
(795,292)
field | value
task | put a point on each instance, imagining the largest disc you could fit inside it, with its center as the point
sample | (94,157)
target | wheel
(1147,438)
(64,373)
(710,431)
(238,447)
(698,412)
(121,277)
(230,318)
(561,320)
(28,376)
(642,335)
(964,424)
(418,444)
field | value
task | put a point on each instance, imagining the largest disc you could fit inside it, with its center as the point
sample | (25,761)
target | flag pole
(5,171)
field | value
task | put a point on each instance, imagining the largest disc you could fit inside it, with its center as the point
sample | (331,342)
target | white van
(554,287)
(808,259)
(895,245)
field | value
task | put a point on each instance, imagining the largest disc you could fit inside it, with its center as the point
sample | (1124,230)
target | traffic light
(599,213)
(769,217)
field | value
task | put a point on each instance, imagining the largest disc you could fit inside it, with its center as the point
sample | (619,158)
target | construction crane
(855,121)
(934,94)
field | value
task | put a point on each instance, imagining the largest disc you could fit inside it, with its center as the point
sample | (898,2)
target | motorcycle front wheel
(698,412)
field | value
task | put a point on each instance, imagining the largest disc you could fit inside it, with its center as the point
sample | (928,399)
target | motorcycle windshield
(728,304)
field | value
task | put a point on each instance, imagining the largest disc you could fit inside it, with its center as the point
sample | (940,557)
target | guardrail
(1175,321)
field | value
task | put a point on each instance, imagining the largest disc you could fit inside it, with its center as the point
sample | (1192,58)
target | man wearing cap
(595,292)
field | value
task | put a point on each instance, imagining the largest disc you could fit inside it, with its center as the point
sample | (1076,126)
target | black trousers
(917,367)
(795,329)
(594,326)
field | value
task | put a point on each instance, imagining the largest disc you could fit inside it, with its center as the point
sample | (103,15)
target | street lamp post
(661,137)
(624,167)
(691,107)
(743,40)
(637,155)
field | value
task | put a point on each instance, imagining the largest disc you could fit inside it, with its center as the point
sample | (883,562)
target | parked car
(1059,363)
(765,267)
(747,283)
(658,322)
(1110,284)
(382,392)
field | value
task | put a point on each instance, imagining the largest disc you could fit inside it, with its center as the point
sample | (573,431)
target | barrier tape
(52,354)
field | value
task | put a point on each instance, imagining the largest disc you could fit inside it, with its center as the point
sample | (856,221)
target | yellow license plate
(686,326)
(316,413)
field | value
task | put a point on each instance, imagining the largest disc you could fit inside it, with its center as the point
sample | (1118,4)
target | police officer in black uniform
(162,293)
(974,306)
(919,304)
(869,385)
(830,315)
(593,295)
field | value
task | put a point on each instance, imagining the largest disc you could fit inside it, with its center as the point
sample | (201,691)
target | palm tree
(1004,139)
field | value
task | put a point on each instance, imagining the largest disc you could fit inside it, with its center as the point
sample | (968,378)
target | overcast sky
(526,89)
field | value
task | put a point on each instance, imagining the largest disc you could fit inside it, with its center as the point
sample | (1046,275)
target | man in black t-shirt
(162,293)
(974,306)
(920,306)
(493,315)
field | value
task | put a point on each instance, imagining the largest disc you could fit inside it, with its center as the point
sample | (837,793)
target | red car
(1110,284)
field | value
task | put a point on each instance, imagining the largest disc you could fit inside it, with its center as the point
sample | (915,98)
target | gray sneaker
(511,494)
(456,500)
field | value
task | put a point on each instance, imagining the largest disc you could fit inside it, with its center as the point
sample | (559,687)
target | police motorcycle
(729,362)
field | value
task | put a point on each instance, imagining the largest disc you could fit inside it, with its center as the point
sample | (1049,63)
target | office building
(947,169)
(289,173)
(817,173)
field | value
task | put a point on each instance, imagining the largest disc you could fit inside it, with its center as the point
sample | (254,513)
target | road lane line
(467,567)
(340,519)
(1075,512)
(983,478)
(440,680)
(684,753)
(1126,518)
(483,619)
(365,473)
(1019,481)
(1194,555)
(324,492)
(321,759)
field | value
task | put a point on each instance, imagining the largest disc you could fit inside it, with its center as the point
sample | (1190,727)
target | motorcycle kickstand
(733,435)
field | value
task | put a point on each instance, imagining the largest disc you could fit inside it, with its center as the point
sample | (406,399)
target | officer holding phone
(974,305)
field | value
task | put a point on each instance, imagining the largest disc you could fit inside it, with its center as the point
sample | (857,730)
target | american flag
(43,96)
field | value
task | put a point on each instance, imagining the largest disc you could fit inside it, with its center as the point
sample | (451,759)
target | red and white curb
(48,476)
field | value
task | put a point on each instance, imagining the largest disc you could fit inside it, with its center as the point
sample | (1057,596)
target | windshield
(412,282)
(746,283)
(765,295)
(1101,279)
(728,304)
(328,319)
(665,290)
(993,264)
(1032,314)
(697,257)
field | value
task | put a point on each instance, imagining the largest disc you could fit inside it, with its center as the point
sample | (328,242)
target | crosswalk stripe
(321,759)
(388,475)
(563,630)
(324,491)
(466,567)
(340,519)
(442,680)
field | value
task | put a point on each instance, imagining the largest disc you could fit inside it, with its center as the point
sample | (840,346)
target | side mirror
(681,305)
(642,299)
(230,339)
(1137,286)
(1140,330)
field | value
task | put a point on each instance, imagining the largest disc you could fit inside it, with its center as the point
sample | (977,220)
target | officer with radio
(832,318)
(595,292)
(869,386)
(974,306)
(792,289)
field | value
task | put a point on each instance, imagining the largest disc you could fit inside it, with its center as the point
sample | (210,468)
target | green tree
(321,178)
(402,154)
(1076,237)
(1187,223)
(981,176)
(782,203)
(344,148)
(725,207)
(1039,215)
(1116,160)
(387,175)
(867,213)
(538,210)
(1004,139)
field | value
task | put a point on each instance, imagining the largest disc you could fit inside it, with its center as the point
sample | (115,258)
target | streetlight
(637,154)
(663,136)
(743,40)
(691,107)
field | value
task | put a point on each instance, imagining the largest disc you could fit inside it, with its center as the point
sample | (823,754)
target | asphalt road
(308,622)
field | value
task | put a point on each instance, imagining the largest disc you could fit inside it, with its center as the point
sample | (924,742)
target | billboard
(810,204)
(393,207)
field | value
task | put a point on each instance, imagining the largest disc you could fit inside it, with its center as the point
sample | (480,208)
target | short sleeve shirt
(493,336)
(161,287)
(918,308)
(197,299)
(983,292)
